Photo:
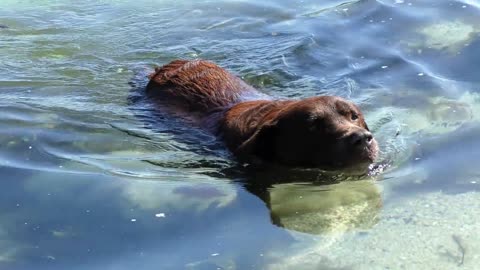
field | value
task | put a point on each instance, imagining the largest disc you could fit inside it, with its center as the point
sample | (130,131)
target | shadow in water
(313,201)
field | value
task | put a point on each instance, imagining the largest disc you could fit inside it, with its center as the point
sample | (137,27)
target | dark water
(92,177)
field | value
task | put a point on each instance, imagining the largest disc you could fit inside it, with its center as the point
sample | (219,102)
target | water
(92,177)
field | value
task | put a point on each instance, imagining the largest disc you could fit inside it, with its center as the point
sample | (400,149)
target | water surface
(93,177)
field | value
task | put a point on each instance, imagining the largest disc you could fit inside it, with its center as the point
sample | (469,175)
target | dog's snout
(361,138)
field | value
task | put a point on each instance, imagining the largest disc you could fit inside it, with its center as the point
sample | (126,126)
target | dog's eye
(317,124)
(354,116)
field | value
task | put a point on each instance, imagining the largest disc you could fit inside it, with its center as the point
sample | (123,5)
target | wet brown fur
(313,132)
(199,85)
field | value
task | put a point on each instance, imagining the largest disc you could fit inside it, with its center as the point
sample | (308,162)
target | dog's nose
(360,138)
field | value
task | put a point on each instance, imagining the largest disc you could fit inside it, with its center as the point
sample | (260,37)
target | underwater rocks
(447,35)
(451,36)
(442,115)
(431,230)
(397,126)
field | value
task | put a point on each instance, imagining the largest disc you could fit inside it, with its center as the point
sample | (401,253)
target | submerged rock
(447,35)
(413,234)
(436,115)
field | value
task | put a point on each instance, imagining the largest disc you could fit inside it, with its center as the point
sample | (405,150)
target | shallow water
(94,178)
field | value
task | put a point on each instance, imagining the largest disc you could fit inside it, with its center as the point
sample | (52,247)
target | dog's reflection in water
(315,202)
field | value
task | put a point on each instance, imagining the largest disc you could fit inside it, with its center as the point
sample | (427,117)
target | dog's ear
(259,147)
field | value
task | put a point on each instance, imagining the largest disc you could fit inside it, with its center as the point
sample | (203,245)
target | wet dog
(326,132)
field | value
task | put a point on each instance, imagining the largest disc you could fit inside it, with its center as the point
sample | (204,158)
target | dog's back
(198,85)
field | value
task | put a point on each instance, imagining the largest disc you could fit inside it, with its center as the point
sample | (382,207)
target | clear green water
(93,178)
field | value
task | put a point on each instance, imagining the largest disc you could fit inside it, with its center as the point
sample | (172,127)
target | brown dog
(326,131)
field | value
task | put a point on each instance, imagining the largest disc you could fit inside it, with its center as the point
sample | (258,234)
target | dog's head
(326,132)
